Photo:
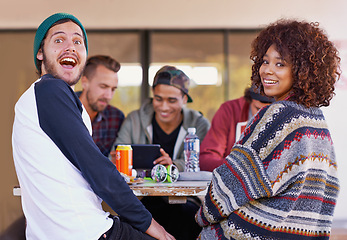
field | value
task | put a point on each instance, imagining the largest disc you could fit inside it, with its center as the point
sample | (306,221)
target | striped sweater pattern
(279,181)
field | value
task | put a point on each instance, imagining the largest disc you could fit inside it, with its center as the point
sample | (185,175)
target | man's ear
(185,99)
(39,54)
(84,82)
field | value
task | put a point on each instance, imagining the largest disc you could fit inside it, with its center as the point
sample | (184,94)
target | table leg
(177,200)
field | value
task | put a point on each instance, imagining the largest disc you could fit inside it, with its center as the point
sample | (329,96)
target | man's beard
(93,105)
(49,67)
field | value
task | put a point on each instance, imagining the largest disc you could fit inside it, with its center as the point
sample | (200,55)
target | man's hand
(157,231)
(164,159)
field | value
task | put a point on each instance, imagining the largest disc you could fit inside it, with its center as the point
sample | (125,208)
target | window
(217,61)
(200,55)
(239,62)
(124,46)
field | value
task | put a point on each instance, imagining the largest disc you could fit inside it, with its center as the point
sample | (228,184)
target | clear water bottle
(191,151)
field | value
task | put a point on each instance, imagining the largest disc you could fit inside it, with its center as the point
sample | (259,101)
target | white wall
(175,14)
(336,116)
(134,14)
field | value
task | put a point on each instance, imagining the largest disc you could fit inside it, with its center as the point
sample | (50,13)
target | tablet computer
(144,155)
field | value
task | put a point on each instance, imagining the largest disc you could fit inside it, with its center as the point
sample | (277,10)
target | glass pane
(17,74)
(17,63)
(240,64)
(123,46)
(198,54)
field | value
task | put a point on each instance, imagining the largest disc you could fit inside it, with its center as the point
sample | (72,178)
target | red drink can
(124,159)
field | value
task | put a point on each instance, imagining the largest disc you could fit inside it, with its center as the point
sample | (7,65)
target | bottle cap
(192,130)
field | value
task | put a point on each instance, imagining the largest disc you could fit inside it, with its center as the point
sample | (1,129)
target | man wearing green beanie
(63,175)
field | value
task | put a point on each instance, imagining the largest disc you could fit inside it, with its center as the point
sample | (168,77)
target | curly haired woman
(280,179)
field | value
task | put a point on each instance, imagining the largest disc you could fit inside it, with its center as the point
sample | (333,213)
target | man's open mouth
(68,61)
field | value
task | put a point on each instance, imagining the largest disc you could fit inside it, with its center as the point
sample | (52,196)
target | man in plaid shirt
(99,82)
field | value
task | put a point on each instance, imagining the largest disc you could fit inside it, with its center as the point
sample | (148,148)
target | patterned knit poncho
(279,181)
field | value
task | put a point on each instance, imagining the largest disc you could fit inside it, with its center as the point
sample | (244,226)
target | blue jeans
(123,231)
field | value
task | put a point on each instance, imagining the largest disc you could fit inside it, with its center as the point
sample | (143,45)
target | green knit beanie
(47,24)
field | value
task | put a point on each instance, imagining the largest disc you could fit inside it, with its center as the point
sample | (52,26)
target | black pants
(177,219)
(123,231)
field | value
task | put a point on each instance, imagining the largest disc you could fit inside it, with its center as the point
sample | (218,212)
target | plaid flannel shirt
(105,128)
